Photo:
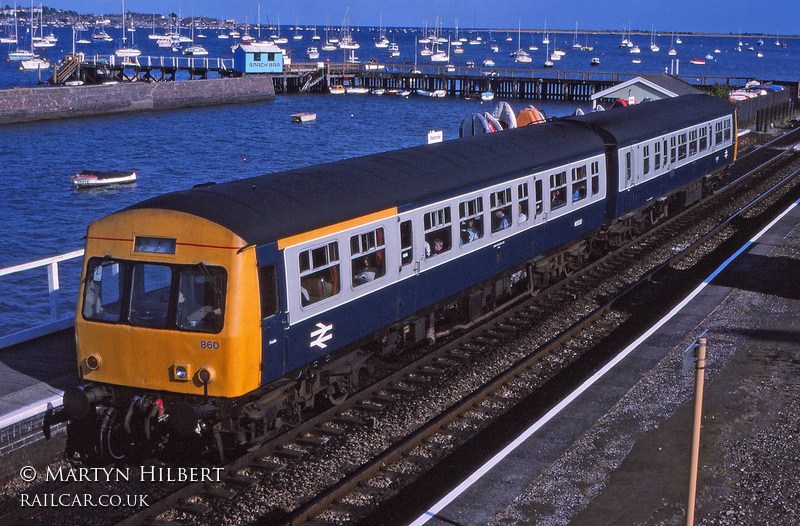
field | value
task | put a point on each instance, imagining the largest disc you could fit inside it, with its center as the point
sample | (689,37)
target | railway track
(339,466)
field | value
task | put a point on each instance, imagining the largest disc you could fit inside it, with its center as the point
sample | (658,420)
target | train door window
(727,128)
(539,196)
(437,231)
(646,159)
(595,169)
(150,293)
(718,133)
(558,190)
(703,143)
(201,298)
(579,183)
(672,149)
(682,146)
(665,153)
(500,204)
(656,155)
(406,243)
(268,285)
(628,168)
(102,293)
(692,142)
(522,199)
(368,256)
(470,215)
(319,273)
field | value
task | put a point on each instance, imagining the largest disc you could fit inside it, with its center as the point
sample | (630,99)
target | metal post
(700,366)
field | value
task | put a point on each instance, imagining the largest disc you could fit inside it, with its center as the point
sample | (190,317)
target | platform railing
(58,318)
(160,61)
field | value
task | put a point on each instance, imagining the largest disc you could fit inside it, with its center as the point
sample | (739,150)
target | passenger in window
(501,220)
(557,198)
(366,273)
(523,212)
(469,231)
(578,191)
(438,247)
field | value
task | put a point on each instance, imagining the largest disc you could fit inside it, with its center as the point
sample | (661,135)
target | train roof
(270,207)
(630,124)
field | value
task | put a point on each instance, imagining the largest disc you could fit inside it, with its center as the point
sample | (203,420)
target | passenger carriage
(233,307)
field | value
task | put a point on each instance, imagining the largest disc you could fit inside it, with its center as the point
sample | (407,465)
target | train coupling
(78,401)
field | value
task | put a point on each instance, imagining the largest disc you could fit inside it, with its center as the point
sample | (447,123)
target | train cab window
(558,190)
(682,146)
(367,256)
(268,285)
(672,149)
(201,295)
(727,128)
(646,159)
(657,155)
(500,204)
(703,143)
(319,273)
(470,215)
(538,196)
(102,294)
(522,200)
(718,133)
(595,169)
(579,183)
(150,291)
(692,142)
(437,228)
(406,243)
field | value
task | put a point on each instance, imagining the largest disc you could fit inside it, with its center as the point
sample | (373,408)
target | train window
(578,183)
(406,243)
(368,256)
(646,159)
(150,292)
(268,283)
(718,132)
(201,297)
(500,203)
(558,190)
(692,142)
(727,127)
(595,168)
(703,139)
(672,149)
(470,214)
(102,294)
(664,149)
(438,238)
(657,155)
(628,167)
(320,277)
(522,199)
(539,196)
(682,146)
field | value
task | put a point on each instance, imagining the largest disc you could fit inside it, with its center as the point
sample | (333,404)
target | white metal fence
(59,319)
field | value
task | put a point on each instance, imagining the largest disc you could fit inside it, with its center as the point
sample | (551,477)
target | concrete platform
(617,453)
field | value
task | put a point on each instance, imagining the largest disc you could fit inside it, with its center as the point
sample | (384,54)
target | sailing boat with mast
(9,37)
(520,55)
(129,51)
(195,50)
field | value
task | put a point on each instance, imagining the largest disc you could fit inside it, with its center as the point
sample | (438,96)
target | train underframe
(115,423)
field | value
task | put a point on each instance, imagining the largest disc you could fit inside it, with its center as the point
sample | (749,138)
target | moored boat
(94,178)
(304,117)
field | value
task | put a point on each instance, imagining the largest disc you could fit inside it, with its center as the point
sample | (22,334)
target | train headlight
(206,375)
(181,372)
(94,362)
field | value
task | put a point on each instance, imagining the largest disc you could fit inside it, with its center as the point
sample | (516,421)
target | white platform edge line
(31,410)
(455,493)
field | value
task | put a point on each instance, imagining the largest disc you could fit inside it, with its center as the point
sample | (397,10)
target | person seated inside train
(558,197)
(437,242)
(364,271)
(523,212)
(578,191)
(501,220)
(470,230)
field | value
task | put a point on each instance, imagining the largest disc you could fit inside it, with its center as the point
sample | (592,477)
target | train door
(410,259)
(273,319)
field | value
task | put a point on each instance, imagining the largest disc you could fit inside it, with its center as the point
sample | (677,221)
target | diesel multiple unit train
(224,311)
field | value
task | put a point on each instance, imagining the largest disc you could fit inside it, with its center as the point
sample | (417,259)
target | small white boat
(94,178)
(304,117)
(595,61)
(357,90)
(435,93)
(487,96)
(35,64)
(379,91)
(697,61)
(336,89)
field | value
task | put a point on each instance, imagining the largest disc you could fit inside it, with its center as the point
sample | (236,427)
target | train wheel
(336,394)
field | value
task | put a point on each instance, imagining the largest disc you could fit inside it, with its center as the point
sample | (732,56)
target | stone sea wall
(43,103)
